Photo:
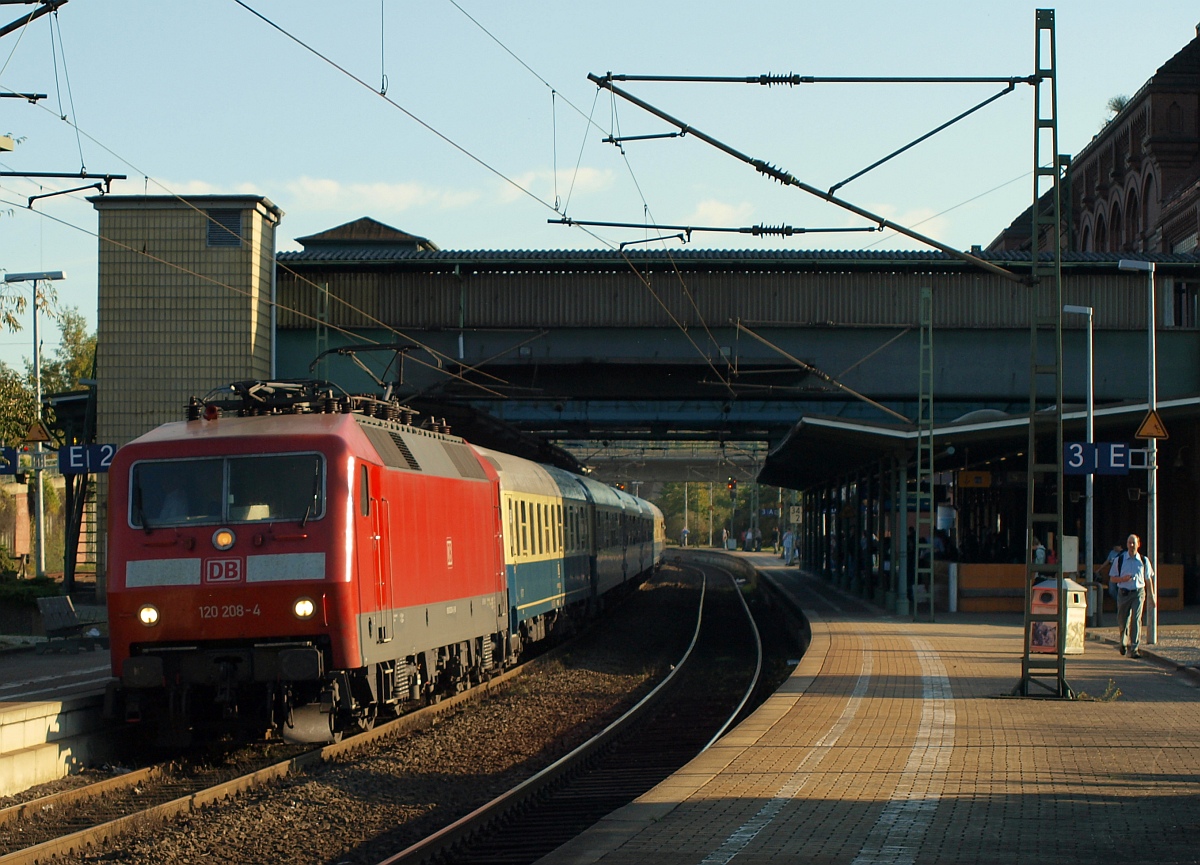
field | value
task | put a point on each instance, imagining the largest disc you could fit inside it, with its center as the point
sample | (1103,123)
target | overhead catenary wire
(56,26)
(371,319)
(300,314)
(590,122)
(478,160)
(787,179)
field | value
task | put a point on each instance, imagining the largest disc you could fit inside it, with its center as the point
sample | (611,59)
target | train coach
(296,559)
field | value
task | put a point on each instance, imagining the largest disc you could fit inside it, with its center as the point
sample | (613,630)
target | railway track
(708,690)
(83,822)
(72,821)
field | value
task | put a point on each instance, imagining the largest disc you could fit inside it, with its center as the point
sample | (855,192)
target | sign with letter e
(85,459)
(1112,458)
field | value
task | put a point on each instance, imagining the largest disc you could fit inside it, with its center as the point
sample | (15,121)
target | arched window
(1101,244)
(1115,228)
(1133,222)
(1150,209)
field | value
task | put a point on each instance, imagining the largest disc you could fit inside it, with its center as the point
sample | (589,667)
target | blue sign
(8,461)
(1079,458)
(1102,458)
(85,459)
(1112,458)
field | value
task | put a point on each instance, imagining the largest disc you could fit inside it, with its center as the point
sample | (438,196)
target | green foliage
(671,501)
(74,357)
(1111,693)
(24,593)
(15,297)
(16,406)
(71,361)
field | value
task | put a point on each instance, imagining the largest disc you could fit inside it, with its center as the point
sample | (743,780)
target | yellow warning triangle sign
(37,433)
(1152,427)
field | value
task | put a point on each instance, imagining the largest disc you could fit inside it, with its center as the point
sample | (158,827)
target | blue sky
(207,98)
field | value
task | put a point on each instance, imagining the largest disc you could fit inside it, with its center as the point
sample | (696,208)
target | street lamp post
(1151,451)
(39,513)
(1089,551)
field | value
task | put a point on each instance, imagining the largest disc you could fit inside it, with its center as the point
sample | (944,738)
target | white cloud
(570,183)
(318,194)
(721,214)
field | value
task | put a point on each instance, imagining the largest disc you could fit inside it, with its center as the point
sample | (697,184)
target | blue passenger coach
(567,541)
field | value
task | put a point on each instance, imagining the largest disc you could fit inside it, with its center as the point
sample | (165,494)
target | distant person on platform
(1133,575)
(789,543)
(1039,552)
(775,539)
(683,536)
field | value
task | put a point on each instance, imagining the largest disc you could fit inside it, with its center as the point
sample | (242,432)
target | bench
(64,630)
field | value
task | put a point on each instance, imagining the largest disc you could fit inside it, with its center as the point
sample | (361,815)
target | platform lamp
(39,515)
(1151,450)
(1089,479)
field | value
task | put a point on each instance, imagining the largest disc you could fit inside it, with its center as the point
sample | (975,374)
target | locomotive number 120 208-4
(227,611)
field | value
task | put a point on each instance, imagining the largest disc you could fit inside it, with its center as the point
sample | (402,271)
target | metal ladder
(1044,453)
(923,585)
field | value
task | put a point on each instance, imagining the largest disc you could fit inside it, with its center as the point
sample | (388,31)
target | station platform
(896,741)
(50,707)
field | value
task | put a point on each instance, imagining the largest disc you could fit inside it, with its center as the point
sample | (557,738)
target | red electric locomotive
(296,559)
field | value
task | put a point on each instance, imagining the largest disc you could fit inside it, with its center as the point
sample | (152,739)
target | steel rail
(460,830)
(758,664)
(25,810)
(76,842)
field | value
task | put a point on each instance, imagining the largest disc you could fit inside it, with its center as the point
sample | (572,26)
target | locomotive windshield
(284,487)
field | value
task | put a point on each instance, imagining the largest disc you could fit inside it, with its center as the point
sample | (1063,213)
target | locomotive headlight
(148,615)
(223,539)
(304,608)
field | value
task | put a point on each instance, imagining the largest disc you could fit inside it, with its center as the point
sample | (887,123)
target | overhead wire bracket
(756,230)
(788,180)
(1009,89)
(97,186)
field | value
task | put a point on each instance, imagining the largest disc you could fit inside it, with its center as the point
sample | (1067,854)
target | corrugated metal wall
(494,299)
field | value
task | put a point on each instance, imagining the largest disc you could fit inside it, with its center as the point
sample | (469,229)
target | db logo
(222,570)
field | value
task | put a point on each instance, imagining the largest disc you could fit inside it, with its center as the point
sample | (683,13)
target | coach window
(512,530)
(524,531)
(558,525)
(364,492)
(538,527)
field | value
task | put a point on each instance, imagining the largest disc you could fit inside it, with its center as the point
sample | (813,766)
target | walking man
(1133,575)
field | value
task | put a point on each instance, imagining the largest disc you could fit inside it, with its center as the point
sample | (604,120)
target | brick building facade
(1136,186)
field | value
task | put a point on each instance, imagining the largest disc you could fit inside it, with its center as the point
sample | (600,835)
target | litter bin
(1045,600)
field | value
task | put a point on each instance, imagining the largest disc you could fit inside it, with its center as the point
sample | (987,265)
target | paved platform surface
(897,742)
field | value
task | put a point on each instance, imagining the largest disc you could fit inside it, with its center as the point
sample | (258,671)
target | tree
(16,400)
(71,361)
(14,300)
(74,357)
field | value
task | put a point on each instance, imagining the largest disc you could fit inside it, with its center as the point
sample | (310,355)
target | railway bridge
(798,369)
